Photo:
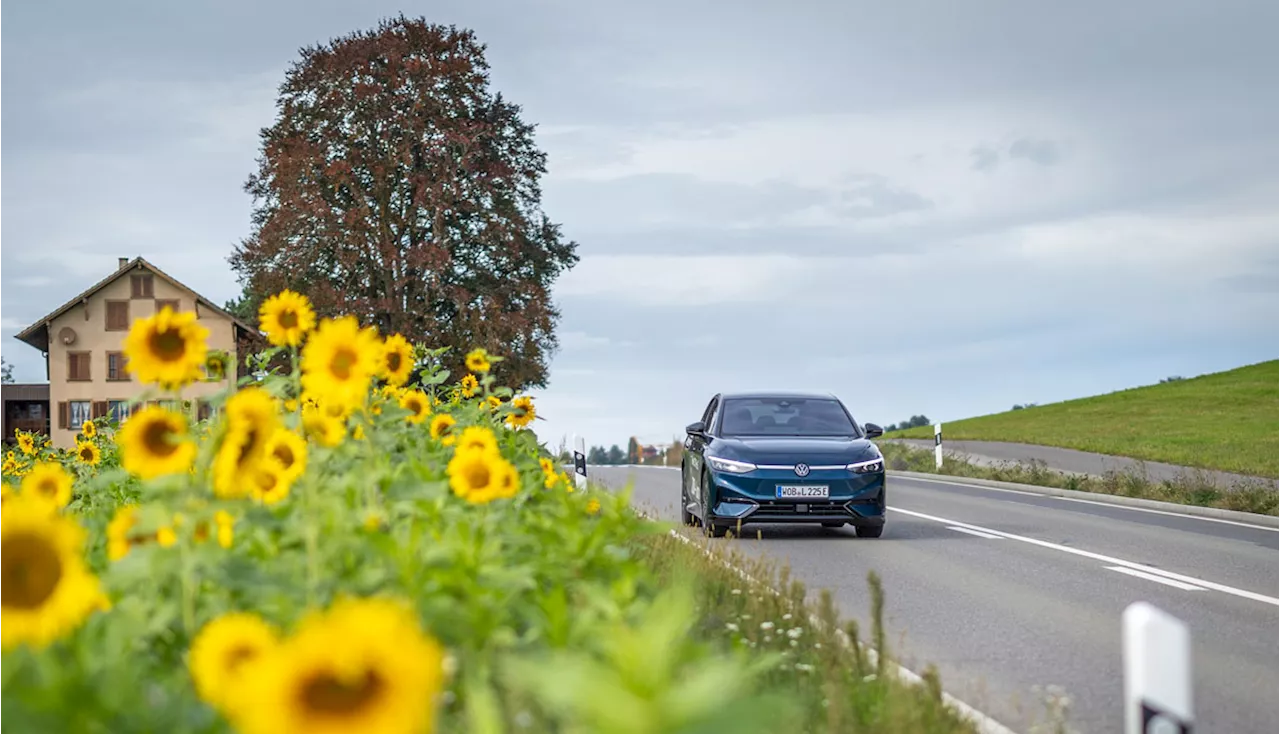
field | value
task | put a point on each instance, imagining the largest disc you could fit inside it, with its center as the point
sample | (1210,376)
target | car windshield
(786,417)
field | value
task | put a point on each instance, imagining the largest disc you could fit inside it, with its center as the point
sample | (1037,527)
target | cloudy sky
(927,207)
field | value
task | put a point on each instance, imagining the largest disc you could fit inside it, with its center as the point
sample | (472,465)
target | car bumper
(858,499)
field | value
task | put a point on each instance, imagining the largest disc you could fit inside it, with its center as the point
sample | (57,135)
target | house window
(115,367)
(118,410)
(172,303)
(117,315)
(143,285)
(80,411)
(78,366)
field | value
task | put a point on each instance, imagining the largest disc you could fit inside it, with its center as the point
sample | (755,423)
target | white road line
(989,536)
(974,486)
(1167,512)
(1155,578)
(1100,557)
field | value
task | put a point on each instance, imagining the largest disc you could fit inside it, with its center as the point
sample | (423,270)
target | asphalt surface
(1070,460)
(1001,616)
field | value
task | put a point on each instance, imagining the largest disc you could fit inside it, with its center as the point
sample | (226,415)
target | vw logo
(802,470)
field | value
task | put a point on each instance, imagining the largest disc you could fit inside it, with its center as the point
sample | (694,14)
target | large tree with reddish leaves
(396,186)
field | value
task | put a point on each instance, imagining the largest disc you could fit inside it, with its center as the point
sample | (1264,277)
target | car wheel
(870,531)
(686,517)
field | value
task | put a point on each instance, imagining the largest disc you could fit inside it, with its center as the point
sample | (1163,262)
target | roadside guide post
(937,445)
(1157,672)
(580,462)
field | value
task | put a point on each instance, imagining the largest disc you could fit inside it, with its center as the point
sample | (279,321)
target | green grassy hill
(1225,421)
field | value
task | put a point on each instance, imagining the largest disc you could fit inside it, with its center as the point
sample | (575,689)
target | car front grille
(827,509)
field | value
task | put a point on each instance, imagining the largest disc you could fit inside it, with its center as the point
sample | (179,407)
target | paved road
(1070,460)
(1038,600)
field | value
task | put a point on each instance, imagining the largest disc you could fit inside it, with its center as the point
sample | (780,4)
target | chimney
(123,262)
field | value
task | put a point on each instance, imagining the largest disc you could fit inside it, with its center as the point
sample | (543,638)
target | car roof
(784,394)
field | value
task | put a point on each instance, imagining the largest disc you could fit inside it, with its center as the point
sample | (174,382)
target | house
(82,342)
(26,409)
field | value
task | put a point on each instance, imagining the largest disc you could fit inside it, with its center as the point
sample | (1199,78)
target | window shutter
(99,409)
(172,303)
(117,315)
(64,414)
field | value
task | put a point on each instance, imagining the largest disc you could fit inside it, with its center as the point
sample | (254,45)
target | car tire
(870,531)
(686,517)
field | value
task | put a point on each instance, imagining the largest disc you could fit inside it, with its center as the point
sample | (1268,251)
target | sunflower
(477,438)
(522,412)
(154,442)
(418,405)
(478,360)
(286,318)
(47,590)
(365,665)
(593,506)
(492,402)
(168,348)
(290,449)
(322,429)
(397,360)
(88,452)
(469,385)
(340,359)
(253,417)
(481,476)
(442,428)
(270,483)
(221,651)
(5,492)
(89,429)
(26,442)
(48,483)
(118,540)
(216,365)
(226,528)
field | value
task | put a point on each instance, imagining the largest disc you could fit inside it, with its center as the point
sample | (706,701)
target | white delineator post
(580,462)
(1157,672)
(937,445)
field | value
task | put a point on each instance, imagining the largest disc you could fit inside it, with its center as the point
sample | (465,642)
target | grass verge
(1224,421)
(1193,488)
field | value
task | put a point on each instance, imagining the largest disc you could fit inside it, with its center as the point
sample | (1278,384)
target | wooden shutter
(142,285)
(172,303)
(64,414)
(78,366)
(117,315)
(100,408)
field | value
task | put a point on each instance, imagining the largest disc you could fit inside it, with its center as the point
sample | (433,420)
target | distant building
(82,342)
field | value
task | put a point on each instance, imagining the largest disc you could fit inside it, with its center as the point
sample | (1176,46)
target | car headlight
(728,465)
(867,467)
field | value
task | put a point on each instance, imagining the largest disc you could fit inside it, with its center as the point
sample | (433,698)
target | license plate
(802,490)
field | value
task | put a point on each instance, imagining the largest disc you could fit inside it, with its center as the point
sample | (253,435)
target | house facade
(83,340)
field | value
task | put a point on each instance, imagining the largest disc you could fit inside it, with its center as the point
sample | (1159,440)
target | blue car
(781,458)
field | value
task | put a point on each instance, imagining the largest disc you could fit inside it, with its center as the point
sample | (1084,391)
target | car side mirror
(697,428)
(873,431)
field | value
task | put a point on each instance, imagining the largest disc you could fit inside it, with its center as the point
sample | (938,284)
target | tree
(395,186)
(6,371)
(616,456)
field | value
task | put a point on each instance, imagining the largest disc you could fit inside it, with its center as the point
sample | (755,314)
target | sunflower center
(168,345)
(288,319)
(246,448)
(394,360)
(477,474)
(266,481)
(325,694)
(48,487)
(239,655)
(86,454)
(30,571)
(158,439)
(285,454)
(343,360)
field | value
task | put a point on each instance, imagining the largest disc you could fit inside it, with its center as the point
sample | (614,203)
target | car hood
(793,449)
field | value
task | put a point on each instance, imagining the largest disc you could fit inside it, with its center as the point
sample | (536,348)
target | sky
(937,208)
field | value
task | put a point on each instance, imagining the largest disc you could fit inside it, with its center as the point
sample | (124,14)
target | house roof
(37,335)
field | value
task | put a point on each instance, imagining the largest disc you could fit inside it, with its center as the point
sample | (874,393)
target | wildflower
(252,420)
(290,449)
(154,442)
(522,412)
(479,475)
(89,429)
(418,405)
(286,318)
(340,360)
(364,665)
(168,348)
(48,590)
(442,428)
(226,528)
(166,537)
(118,540)
(48,483)
(477,438)
(221,651)
(397,360)
(88,453)
(270,483)
(478,360)
(593,506)
(26,442)
(766,625)
(469,384)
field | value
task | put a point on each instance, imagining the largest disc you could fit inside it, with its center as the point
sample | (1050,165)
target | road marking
(989,536)
(1093,502)
(1155,578)
(1167,512)
(1100,557)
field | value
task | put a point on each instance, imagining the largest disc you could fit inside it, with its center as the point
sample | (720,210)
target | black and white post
(1157,672)
(937,445)
(580,462)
